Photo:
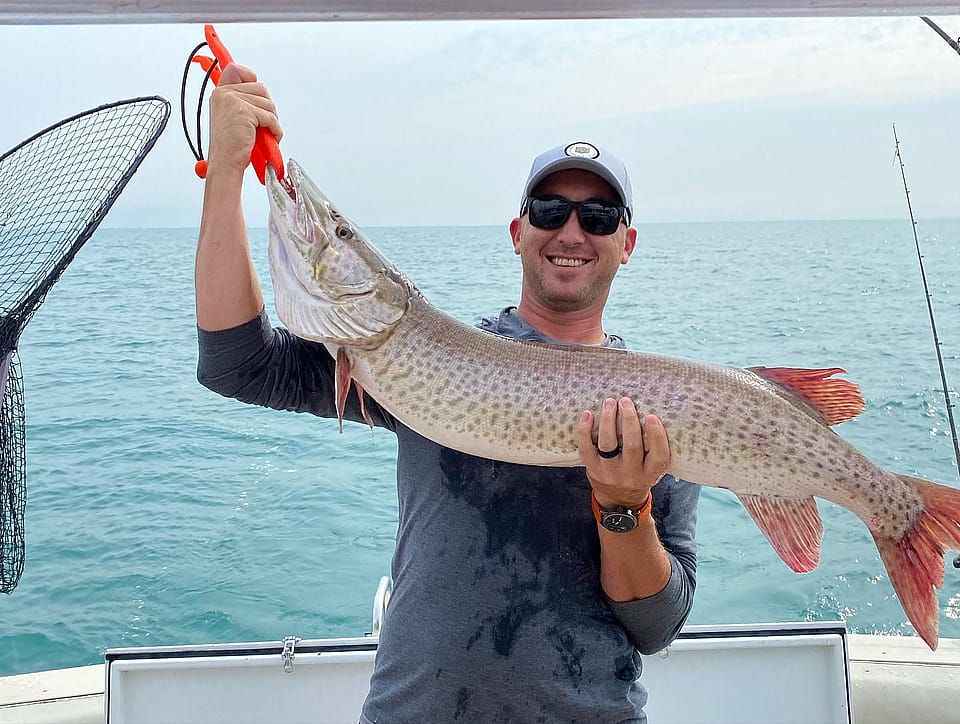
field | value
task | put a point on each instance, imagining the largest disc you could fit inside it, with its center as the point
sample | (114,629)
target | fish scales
(762,433)
(519,402)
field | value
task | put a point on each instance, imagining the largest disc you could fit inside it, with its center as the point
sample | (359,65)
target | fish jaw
(330,283)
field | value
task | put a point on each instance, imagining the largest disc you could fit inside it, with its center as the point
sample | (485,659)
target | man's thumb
(235,73)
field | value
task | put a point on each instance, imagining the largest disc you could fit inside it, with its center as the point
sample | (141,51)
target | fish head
(330,283)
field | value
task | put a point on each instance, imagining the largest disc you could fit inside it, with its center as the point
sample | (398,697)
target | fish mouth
(301,222)
(301,217)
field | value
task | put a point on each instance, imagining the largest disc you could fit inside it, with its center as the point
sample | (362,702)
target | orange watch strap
(642,513)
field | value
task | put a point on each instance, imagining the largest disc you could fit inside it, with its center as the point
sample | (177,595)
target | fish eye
(344,232)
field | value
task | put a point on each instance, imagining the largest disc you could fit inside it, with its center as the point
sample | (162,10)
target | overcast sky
(437,123)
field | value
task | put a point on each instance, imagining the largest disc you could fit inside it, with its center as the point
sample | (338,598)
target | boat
(799,673)
(804,673)
(791,671)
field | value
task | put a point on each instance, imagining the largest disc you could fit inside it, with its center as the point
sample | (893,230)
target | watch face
(619,522)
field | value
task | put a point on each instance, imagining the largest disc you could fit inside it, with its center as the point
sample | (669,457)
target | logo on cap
(581,149)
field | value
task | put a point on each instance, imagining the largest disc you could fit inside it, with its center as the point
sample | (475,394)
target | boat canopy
(51,12)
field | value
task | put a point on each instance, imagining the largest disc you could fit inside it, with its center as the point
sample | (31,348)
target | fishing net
(55,189)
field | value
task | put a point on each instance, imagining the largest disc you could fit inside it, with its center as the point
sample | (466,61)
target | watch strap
(642,512)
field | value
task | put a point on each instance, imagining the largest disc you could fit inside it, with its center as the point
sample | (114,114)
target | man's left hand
(624,479)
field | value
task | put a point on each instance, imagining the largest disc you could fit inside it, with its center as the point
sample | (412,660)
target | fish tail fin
(915,562)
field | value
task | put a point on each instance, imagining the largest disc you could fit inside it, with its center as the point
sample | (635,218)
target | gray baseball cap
(588,157)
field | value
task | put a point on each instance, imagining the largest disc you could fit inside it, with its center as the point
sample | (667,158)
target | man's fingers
(658,447)
(631,434)
(270,120)
(588,451)
(607,438)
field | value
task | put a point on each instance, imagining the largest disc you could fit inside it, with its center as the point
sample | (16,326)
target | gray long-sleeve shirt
(497,613)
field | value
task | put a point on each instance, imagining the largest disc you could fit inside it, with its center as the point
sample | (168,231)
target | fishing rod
(955,44)
(933,324)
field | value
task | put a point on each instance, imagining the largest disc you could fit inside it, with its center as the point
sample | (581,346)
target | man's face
(567,269)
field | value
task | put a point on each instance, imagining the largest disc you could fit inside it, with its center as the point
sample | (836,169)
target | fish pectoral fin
(792,525)
(344,377)
(837,400)
(363,406)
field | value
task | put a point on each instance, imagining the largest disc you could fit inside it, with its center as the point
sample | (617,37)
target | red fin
(363,407)
(342,383)
(915,562)
(837,400)
(792,525)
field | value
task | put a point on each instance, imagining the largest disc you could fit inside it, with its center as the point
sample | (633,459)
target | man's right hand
(237,107)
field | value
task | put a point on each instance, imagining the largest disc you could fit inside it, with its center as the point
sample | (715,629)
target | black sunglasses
(596,215)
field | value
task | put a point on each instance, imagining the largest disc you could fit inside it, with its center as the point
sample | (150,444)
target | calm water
(160,513)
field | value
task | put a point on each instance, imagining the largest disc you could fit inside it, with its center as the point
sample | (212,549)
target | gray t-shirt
(497,613)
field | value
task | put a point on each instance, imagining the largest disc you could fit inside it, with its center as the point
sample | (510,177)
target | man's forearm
(228,292)
(633,565)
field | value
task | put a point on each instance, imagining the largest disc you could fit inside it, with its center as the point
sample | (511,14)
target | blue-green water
(160,513)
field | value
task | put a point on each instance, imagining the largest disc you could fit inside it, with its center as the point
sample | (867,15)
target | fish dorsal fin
(792,525)
(837,400)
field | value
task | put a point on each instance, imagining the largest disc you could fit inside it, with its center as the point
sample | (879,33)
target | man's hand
(624,479)
(237,107)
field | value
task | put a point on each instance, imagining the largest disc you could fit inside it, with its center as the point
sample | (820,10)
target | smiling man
(521,593)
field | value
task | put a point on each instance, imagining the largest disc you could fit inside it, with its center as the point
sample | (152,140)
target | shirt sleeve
(652,623)
(262,365)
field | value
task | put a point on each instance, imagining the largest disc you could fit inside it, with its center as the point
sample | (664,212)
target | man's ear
(515,234)
(629,244)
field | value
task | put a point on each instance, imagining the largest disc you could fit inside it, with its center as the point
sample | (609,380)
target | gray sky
(437,123)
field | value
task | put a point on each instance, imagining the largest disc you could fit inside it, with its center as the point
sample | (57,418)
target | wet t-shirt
(497,613)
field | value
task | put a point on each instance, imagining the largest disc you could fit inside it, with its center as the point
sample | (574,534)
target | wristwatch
(619,519)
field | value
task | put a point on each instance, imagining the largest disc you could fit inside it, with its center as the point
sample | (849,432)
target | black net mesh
(13,449)
(55,189)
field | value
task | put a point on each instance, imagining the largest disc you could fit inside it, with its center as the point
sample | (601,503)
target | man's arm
(637,572)
(227,291)
(260,365)
(241,355)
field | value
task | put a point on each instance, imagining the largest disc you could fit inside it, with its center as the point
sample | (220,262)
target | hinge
(289,644)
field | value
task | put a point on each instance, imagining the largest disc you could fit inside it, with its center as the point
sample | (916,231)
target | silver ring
(607,454)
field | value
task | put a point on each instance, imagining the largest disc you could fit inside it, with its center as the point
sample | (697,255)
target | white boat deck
(894,679)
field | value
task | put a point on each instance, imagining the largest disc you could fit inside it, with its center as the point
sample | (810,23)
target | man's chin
(568,302)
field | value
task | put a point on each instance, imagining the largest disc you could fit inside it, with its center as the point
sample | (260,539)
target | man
(521,593)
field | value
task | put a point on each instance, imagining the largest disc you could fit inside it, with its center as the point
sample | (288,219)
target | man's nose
(571,229)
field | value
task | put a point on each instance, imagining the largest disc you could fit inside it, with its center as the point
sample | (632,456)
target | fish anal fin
(792,525)
(915,562)
(344,377)
(837,400)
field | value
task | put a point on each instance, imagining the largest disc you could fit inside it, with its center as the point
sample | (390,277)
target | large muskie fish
(763,433)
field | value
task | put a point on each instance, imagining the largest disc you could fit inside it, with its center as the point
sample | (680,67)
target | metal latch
(289,644)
